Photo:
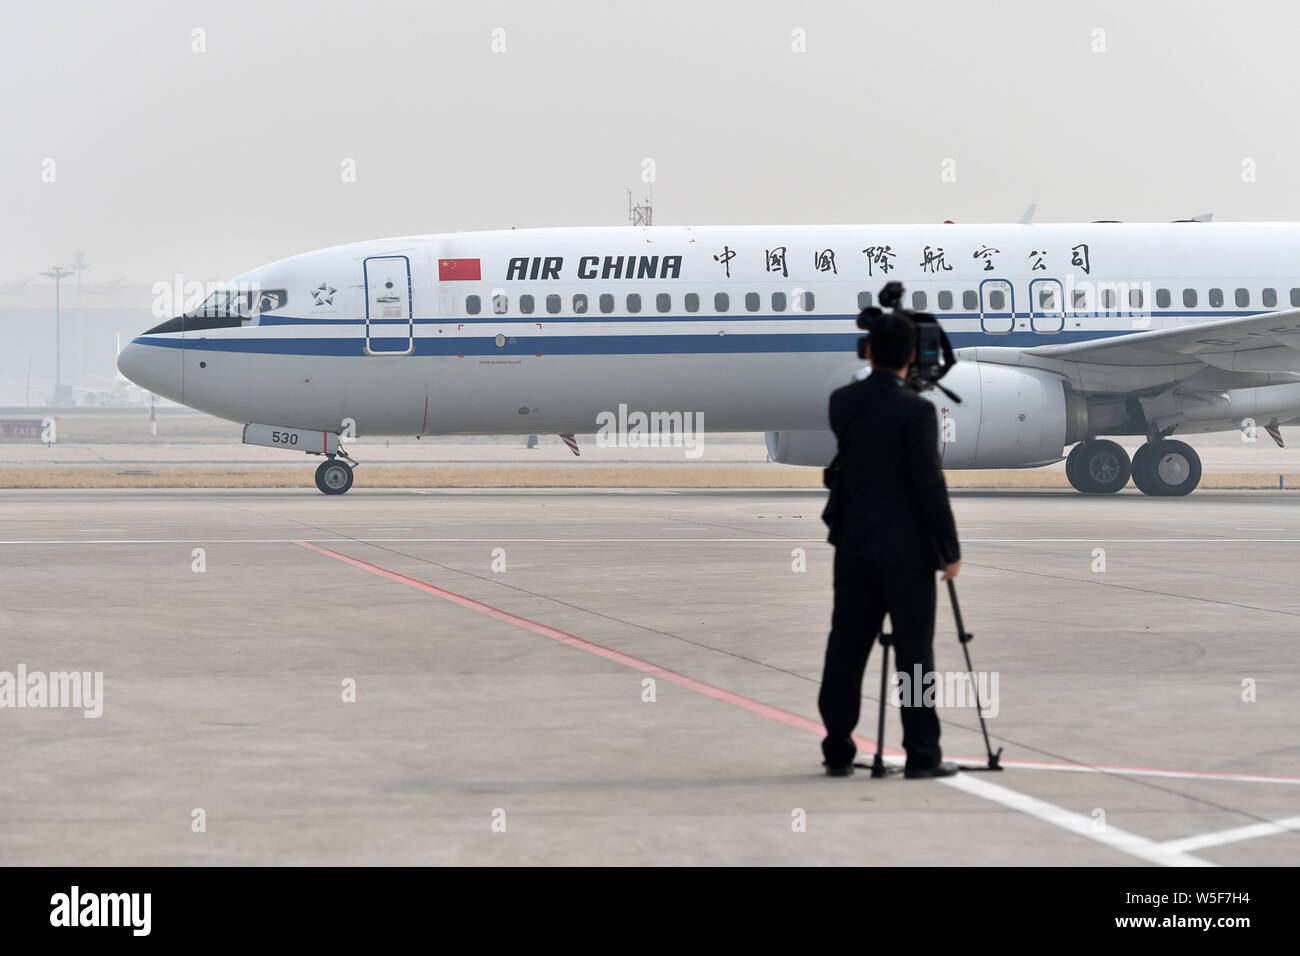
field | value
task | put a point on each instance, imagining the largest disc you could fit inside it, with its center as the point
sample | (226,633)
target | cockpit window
(244,303)
(271,300)
(225,309)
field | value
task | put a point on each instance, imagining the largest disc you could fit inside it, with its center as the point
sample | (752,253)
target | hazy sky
(168,160)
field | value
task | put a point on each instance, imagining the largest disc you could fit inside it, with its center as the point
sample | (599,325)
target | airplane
(1066,335)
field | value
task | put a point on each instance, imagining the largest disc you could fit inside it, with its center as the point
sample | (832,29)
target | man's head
(891,342)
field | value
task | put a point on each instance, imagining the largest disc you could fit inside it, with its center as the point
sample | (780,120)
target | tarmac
(432,676)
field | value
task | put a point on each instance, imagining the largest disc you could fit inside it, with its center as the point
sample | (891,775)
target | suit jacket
(889,502)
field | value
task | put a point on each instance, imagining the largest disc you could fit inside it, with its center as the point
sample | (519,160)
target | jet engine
(1009,417)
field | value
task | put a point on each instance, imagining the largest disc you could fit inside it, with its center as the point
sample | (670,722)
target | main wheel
(1142,468)
(334,477)
(1072,464)
(1166,468)
(1102,467)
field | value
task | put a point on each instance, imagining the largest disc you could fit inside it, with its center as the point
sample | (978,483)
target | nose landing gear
(334,476)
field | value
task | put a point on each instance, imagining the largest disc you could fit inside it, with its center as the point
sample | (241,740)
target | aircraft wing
(1227,353)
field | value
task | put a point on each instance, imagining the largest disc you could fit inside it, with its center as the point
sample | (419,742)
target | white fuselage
(542,330)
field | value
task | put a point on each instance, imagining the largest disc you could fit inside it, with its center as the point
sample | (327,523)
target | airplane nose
(155,368)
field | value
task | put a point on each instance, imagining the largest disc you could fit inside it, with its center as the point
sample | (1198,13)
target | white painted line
(201,538)
(572,492)
(1102,538)
(1220,837)
(1076,823)
(1139,771)
(791,540)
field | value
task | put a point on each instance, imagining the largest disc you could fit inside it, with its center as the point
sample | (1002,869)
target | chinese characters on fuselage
(880,260)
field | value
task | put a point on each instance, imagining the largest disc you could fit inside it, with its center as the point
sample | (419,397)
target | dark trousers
(864,593)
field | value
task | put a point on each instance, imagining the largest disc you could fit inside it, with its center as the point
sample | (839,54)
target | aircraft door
(390,326)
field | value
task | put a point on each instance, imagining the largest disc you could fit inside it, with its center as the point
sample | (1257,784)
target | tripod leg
(965,639)
(878,765)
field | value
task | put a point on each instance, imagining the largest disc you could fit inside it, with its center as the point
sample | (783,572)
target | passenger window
(720,302)
(692,302)
(552,304)
(526,304)
(1216,298)
(864,300)
(580,303)
(1189,298)
(1135,298)
(472,305)
(500,304)
(1295,297)
(1080,303)
(752,301)
(778,301)
(1269,298)
(807,301)
(1242,298)
(1046,299)
(997,300)
(1162,298)
(664,302)
(945,300)
(918,301)
(633,302)
(969,300)
(1108,299)
(606,303)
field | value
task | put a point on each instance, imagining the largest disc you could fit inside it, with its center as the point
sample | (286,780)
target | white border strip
(1219,837)
(1076,823)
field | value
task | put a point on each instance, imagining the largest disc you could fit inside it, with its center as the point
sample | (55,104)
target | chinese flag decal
(451,270)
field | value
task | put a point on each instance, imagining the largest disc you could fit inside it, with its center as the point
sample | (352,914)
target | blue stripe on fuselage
(673,343)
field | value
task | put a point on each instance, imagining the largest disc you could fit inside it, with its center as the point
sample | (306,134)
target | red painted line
(609,654)
(736,700)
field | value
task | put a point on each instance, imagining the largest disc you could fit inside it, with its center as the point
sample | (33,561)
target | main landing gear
(1161,467)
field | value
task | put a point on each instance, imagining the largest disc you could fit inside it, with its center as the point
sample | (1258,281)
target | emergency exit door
(390,326)
(1047,305)
(997,306)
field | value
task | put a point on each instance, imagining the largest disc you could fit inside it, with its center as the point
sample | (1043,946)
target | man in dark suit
(892,529)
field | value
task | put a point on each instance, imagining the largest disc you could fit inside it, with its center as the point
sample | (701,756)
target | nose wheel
(334,476)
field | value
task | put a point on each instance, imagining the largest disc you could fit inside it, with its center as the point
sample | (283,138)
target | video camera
(934,355)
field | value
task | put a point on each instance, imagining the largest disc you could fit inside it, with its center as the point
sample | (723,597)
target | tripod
(964,637)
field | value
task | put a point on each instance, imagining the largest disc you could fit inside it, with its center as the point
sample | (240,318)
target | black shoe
(944,768)
(838,769)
